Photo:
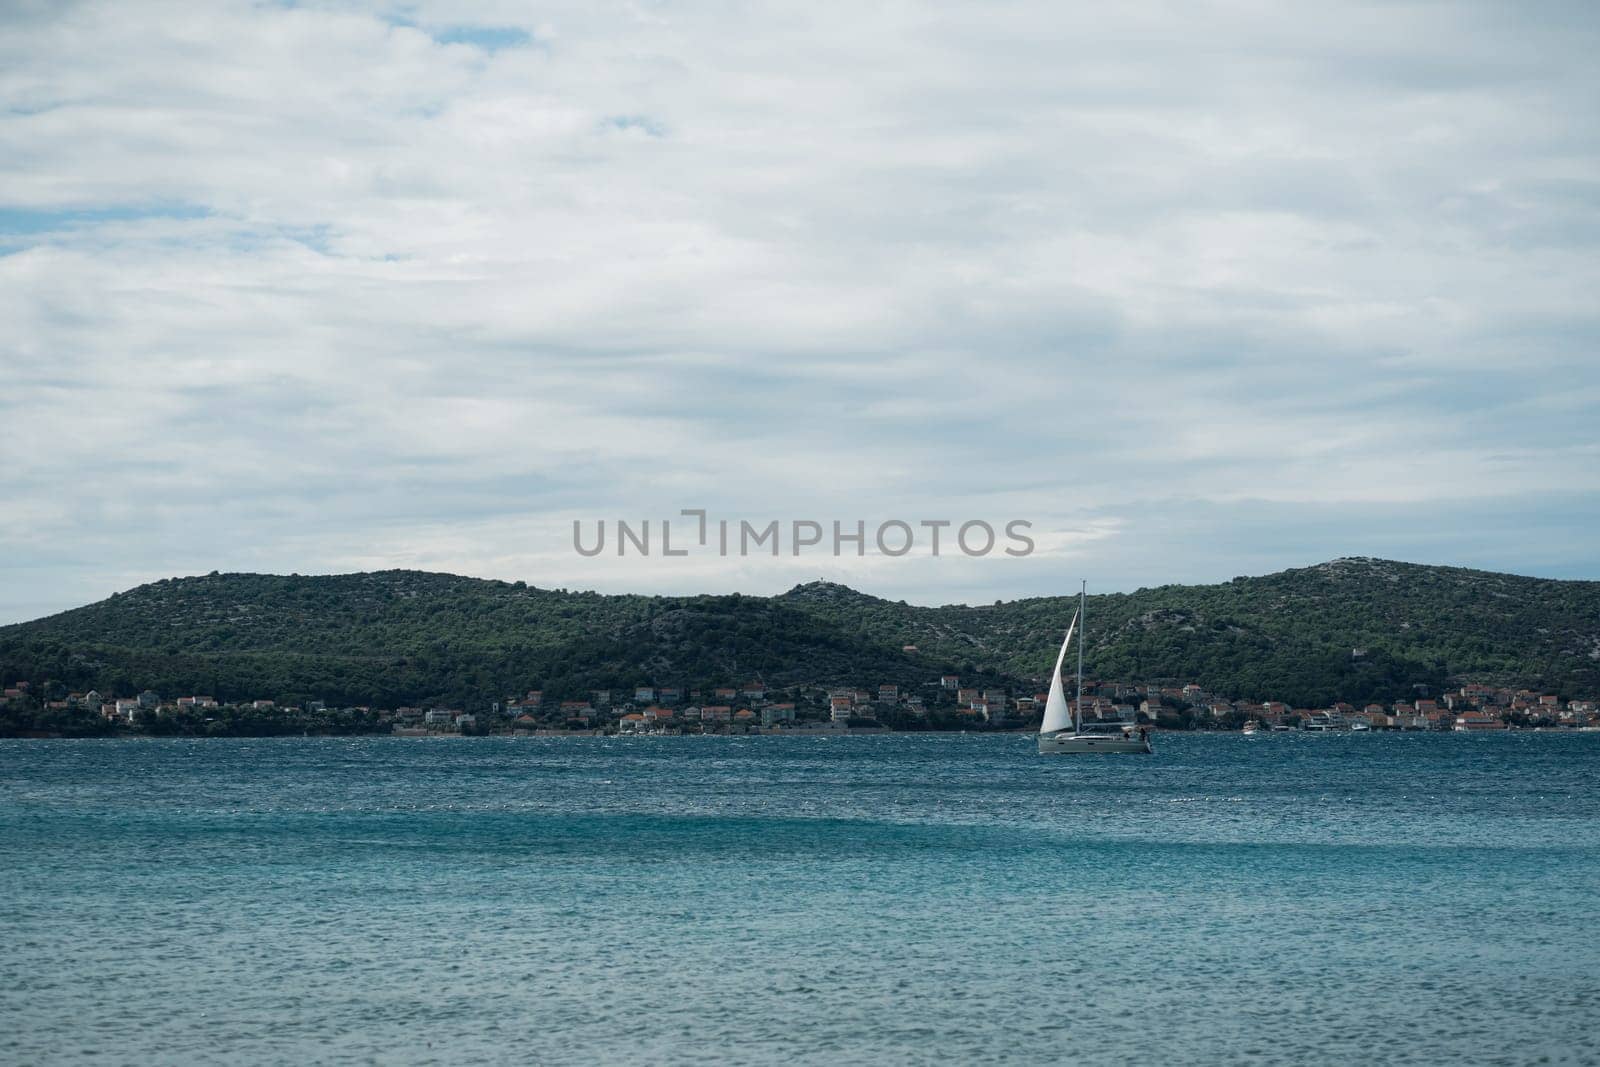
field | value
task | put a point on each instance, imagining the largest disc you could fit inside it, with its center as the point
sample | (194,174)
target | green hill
(1353,629)
(406,637)
(1350,629)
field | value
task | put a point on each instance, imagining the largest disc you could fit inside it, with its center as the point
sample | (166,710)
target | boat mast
(1083,602)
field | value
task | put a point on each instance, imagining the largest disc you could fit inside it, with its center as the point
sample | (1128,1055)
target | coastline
(792,734)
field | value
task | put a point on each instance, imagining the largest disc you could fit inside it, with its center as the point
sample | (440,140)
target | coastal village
(943,703)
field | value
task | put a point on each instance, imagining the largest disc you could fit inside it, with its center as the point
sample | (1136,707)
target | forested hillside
(1350,629)
(1353,629)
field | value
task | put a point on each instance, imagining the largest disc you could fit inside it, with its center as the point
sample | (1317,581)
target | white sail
(1057,716)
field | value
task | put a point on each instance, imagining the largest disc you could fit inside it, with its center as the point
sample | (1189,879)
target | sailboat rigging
(1063,730)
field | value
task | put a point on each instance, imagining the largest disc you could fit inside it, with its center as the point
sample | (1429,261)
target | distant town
(943,703)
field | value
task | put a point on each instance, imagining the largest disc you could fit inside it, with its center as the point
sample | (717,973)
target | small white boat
(1062,732)
(1251,728)
(1114,737)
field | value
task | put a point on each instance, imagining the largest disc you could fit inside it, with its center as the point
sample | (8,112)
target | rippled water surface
(899,899)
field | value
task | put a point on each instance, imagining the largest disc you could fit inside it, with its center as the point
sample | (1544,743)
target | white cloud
(300,287)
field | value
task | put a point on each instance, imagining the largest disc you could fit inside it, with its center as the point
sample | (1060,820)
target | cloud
(304,287)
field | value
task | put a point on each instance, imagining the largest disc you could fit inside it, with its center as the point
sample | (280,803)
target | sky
(1195,289)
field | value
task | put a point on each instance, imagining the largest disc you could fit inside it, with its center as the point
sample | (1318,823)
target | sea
(900,899)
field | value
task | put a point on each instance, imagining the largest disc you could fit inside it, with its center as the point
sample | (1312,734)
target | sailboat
(1062,731)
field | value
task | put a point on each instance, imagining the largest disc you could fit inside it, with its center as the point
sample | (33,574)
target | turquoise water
(894,899)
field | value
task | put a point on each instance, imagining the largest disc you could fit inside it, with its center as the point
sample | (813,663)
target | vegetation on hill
(401,637)
(1351,629)
(1355,629)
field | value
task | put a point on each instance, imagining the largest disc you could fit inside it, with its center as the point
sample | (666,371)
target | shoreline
(796,734)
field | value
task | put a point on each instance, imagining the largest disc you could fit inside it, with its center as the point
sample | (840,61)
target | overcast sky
(1198,289)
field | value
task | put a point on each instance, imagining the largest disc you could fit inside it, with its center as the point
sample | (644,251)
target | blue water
(896,899)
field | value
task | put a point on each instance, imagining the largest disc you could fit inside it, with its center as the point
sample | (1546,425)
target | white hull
(1065,743)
